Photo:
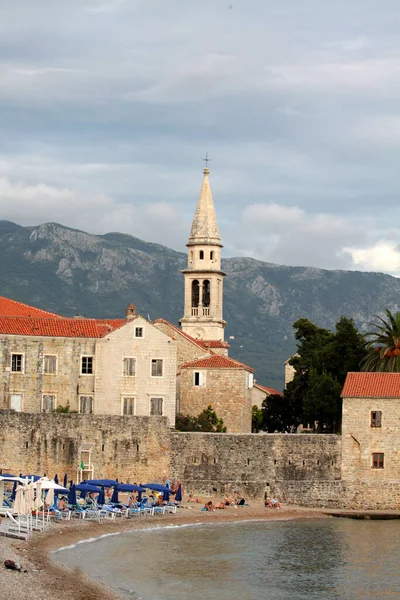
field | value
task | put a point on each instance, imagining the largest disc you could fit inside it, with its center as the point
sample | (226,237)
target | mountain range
(72,272)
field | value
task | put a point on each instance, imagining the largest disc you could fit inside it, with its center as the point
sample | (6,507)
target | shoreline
(45,579)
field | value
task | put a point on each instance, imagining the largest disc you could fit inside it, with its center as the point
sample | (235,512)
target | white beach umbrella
(19,506)
(50,497)
(30,497)
(49,484)
(38,499)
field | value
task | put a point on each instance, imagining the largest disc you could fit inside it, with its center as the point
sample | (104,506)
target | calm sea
(283,560)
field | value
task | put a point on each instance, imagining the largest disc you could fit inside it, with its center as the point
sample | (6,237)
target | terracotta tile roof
(12,308)
(204,344)
(372,385)
(268,390)
(216,361)
(80,328)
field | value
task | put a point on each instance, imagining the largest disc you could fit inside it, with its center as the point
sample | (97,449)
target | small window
(129,367)
(50,364)
(127,406)
(156,406)
(157,367)
(199,378)
(86,405)
(17,363)
(250,380)
(377,460)
(87,365)
(201,255)
(212,255)
(139,332)
(376,418)
(48,403)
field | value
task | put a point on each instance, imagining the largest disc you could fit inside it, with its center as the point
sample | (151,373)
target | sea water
(332,559)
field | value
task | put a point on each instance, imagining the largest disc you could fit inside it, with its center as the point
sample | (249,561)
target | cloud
(383,256)
(356,43)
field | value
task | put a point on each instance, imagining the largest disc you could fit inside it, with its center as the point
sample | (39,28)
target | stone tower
(203,277)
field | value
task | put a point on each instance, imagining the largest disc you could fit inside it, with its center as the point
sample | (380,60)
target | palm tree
(383,345)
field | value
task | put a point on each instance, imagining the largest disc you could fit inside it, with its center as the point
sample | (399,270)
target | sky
(107,108)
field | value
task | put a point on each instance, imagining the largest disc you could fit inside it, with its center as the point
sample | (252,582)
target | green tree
(383,345)
(205,421)
(324,358)
(256,419)
(280,414)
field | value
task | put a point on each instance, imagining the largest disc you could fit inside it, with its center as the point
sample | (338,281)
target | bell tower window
(195,293)
(212,255)
(201,254)
(206,292)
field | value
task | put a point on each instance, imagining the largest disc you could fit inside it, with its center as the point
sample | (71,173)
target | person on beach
(192,499)
(273,503)
(62,505)
(209,506)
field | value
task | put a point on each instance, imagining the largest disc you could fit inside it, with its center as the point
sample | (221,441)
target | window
(376,418)
(156,406)
(201,255)
(250,380)
(86,405)
(157,367)
(377,460)
(48,403)
(17,363)
(50,364)
(139,332)
(127,406)
(206,292)
(212,255)
(129,367)
(195,293)
(199,378)
(16,402)
(87,365)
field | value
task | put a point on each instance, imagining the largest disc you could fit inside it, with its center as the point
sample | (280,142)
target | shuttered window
(157,367)
(376,418)
(50,364)
(129,367)
(48,403)
(377,460)
(86,405)
(127,406)
(199,378)
(156,406)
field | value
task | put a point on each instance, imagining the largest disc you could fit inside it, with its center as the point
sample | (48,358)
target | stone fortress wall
(300,469)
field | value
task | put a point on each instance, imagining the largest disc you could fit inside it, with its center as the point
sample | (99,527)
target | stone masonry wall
(225,390)
(187,350)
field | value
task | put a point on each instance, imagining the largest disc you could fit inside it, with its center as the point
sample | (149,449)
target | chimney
(130,312)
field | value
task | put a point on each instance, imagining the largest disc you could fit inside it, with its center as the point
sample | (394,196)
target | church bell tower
(203,277)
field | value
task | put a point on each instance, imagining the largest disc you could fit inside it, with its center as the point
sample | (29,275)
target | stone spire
(205,227)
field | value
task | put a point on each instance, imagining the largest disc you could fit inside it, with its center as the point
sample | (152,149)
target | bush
(205,421)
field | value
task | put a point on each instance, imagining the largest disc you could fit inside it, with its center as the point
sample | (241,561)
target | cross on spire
(207,160)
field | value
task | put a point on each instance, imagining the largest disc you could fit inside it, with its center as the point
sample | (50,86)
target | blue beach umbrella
(140,493)
(166,495)
(14,491)
(34,477)
(56,481)
(157,487)
(114,497)
(102,482)
(65,480)
(130,487)
(178,495)
(72,496)
(100,498)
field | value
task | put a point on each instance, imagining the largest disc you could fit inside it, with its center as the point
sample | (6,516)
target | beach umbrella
(166,495)
(114,497)
(55,478)
(30,497)
(72,495)
(5,475)
(38,499)
(140,493)
(56,481)
(102,482)
(50,497)
(19,502)
(100,498)
(50,484)
(14,490)
(65,482)
(157,487)
(178,495)
(130,487)
(31,477)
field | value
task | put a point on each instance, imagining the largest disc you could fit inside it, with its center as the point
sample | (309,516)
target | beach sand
(45,580)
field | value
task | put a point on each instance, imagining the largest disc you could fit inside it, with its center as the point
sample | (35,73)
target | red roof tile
(372,385)
(268,390)
(12,308)
(80,328)
(204,344)
(216,361)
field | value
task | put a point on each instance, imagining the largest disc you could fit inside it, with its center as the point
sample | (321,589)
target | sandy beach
(45,581)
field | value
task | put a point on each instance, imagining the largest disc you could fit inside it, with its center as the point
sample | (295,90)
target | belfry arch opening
(212,255)
(201,254)
(206,293)
(195,293)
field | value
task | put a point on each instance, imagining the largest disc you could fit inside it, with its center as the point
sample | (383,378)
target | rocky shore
(45,581)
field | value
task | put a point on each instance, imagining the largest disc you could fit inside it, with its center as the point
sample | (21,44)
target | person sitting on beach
(220,506)
(273,503)
(238,500)
(229,501)
(209,506)
(160,500)
(108,494)
(132,500)
(191,499)
(62,505)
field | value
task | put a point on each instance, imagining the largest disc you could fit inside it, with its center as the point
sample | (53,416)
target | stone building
(371,427)
(260,392)
(116,366)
